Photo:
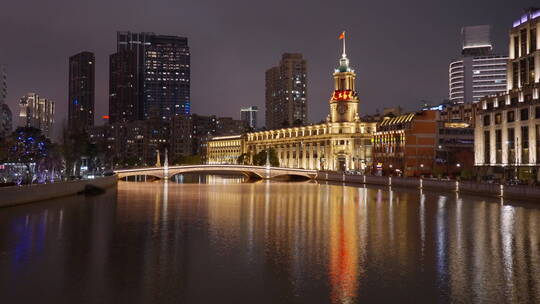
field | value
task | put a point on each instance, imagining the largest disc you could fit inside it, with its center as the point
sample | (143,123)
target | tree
(29,147)
(259,159)
(243,159)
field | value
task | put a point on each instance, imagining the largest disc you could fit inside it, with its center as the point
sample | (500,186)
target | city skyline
(241,50)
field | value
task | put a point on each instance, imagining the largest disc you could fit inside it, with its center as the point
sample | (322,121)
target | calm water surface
(223,241)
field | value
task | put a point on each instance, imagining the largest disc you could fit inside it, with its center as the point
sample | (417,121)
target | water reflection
(196,178)
(267,242)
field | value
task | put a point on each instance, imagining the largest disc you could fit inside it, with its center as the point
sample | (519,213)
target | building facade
(478,72)
(150,77)
(286,93)
(249,116)
(459,112)
(37,112)
(507,132)
(455,149)
(342,143)
(81,91)
(405,144)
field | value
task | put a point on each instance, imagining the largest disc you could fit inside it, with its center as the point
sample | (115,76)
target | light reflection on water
(268,242)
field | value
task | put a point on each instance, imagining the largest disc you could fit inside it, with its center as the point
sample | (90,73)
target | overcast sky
(399,49)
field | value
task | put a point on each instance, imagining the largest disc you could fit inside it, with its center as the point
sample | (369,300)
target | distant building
(81,91)
(478,72)
(455,148)
(37,112)
(205,127)
(286,93)
(181,140)
(5,112)
(249,116)
(150,77)
(507,131)
(405,144)
(459,112)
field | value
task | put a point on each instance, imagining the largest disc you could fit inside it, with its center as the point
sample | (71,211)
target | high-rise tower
(160,66)
(479,72)
(286,92)
(37,112)
(81,91)
(344,101)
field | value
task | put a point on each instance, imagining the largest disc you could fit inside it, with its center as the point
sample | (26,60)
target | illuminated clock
(342,108)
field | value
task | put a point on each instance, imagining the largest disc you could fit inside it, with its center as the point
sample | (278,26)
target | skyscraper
(81,91)
(161,79)
(37,112)
(286,92)
(123,87)
(478,72)
(5,112)
(249,116)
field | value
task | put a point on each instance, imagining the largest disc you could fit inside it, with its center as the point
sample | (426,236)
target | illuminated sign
(105,116)
(343,95)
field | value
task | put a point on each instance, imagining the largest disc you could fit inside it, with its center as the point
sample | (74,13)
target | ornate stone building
(507,131)
(342,143)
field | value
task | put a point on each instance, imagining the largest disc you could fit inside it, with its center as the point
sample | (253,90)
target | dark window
(498,146)
(490,105)
(498,118)
(537,112)
(524,114)
(486,147)
(516,47)
(523,42)
(524,145)
(525,137)
(533,40)
(511,146)
(513,101)
(531,69)
(523,71)
(510,116)
(486,120)
(515,74)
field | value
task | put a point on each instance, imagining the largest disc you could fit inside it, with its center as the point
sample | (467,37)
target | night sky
(399,49)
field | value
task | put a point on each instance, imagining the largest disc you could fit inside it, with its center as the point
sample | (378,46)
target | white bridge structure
(264,172)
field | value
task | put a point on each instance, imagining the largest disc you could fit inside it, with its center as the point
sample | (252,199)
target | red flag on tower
(342,36)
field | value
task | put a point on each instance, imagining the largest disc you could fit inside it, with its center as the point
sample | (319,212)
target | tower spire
(344,55)
(343,61)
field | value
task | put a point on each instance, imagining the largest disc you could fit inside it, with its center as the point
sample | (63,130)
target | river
(215,239)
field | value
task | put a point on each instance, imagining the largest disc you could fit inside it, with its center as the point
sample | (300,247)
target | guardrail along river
(222,241)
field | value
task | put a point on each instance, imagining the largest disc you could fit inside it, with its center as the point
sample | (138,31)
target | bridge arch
(249,171)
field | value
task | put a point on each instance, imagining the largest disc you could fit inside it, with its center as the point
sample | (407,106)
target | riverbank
(16,195)
(493,190)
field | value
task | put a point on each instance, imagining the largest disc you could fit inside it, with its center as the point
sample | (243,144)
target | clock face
(342,108)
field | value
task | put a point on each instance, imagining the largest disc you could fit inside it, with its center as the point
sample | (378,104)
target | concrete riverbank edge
(17,195)
(484,189)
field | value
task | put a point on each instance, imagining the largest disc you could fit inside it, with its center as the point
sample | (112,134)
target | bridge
(167,172)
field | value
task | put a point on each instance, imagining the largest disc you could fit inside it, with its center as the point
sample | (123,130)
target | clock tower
(344,101)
